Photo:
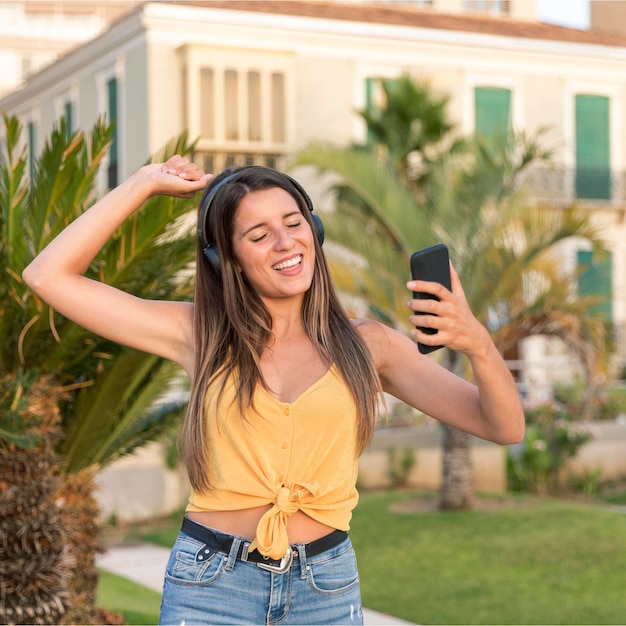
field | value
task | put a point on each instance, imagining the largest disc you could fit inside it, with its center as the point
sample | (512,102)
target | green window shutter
(369,94)
(593,161)
(69,121)
(375,103)
(595,278)
(113,151)
(493,113)
(32,141)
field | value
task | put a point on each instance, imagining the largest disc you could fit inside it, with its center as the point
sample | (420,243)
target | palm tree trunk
(457,492)
(80,510)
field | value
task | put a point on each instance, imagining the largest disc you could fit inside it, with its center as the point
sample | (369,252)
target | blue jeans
(219,589)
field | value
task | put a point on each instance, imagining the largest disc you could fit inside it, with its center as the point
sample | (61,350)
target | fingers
(188,171)
(426,287)
(429,319)
(177,177)
(440,318)
(448,320)
(183,168)
(455,282)
(437,291)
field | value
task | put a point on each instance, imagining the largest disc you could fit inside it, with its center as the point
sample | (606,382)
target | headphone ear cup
(318,227)
(210,253)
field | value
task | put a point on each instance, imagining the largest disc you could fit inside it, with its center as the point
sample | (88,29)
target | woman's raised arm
(57,273)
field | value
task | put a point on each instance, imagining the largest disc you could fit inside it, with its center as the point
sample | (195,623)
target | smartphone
(431,264)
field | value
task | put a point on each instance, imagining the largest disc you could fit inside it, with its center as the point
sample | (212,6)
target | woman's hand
(451,316)
(177,177)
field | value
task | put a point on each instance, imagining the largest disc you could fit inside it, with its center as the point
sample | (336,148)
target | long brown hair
(232,326)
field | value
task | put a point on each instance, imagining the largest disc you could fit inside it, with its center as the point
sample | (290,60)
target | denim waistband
(223,542)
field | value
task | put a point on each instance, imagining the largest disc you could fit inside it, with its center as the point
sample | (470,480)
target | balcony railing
(565,186)
(559,186)
(216,161)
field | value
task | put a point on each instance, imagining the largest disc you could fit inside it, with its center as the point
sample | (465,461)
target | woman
(284,392)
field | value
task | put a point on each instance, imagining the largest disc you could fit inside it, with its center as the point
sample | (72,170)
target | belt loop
(300,547)
(232,554)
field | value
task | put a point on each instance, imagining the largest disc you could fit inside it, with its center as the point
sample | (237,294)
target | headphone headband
(203,211)
(209,248)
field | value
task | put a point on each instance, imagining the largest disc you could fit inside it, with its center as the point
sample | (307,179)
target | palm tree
(411,127)
(106,393)
(502,248)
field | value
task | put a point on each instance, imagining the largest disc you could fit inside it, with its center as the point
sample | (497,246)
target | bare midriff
(300,527)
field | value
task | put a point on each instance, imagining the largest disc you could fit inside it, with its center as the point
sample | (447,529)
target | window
(231,104)
(207,99)
(242,118)
(376,98)
(278,108)
(375,93)
(595,279)
(27,67)
(492,114)
(593,167)
(113,118)
(493,7)
(370,100)
(69,118)
(254,106)
(32,62)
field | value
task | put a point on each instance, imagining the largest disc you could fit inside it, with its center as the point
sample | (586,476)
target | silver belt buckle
(282,567)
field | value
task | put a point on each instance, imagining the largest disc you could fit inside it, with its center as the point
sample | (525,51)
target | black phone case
(430,264)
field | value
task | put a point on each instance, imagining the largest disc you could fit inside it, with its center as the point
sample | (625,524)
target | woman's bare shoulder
(376,336)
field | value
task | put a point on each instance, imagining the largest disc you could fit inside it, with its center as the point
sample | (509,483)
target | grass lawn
(529,561)
(136,603)
(538,562)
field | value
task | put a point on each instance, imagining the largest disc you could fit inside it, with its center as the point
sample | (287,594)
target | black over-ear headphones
(209,248)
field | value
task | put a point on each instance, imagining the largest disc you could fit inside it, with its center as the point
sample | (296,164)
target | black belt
(222,542)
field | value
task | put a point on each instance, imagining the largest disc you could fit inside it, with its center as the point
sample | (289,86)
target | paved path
(145,563)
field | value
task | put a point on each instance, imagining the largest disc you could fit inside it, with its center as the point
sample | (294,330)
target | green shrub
(400,464)
(553,435)
(611,400)
(587,482)
(613,404)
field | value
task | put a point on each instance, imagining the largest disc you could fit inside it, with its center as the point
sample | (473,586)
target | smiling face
(273,244)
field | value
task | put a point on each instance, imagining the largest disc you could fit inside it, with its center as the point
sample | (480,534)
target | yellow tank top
(297,455)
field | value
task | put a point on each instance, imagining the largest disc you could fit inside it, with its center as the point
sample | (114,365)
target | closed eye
(258,233)
(262,236)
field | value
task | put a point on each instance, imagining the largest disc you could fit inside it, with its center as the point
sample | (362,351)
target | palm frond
(14,403)
(117,413)
(504,249)
(111,390)
(382,192)
(13,193)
